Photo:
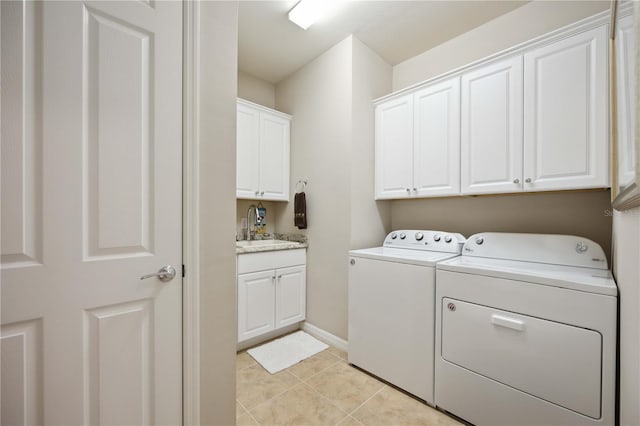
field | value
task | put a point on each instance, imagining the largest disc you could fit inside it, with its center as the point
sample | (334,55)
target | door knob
(164,274)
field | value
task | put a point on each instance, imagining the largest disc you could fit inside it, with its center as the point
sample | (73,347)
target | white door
(248,152)
(291,295)
(491,147)
(91,201)
(274,157)
(394,148)
(626,101)
(436,138)
(566,142)
(256,303)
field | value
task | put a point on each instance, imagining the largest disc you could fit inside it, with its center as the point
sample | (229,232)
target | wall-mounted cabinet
(532,119)
(418,143)
(262,169)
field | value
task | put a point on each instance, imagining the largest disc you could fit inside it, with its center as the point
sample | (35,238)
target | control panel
(443,241)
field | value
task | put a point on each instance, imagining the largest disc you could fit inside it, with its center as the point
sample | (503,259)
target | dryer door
(556,362)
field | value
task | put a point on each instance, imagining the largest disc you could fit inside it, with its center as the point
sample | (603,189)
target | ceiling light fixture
(306,12)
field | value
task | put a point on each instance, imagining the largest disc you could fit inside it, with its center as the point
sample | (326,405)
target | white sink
(261,243)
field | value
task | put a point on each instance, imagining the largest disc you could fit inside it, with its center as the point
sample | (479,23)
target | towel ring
(304,185)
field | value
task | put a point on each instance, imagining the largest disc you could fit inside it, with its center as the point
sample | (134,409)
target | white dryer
(392,310)
(526,332)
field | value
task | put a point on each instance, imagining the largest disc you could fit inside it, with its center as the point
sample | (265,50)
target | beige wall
(587,214)
(217,210)
(332,147)
(627,272)
(318,96)
(626,252)
(370,220)
(256,90)
(522,24)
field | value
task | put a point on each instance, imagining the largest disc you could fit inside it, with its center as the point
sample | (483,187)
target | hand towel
(300,210)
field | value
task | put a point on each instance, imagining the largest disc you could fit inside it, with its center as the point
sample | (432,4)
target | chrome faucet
(252,209)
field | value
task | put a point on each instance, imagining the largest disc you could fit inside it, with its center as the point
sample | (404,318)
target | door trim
(191,222)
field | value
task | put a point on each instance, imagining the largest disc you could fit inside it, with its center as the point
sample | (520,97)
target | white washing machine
(526,332)
(391,307)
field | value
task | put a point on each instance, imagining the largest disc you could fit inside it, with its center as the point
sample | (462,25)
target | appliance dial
(479,240)
(394,235)
(436,237)
(419,236)
(403,236)
(447,239)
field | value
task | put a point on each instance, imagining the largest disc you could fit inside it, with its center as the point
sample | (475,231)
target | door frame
(191,224)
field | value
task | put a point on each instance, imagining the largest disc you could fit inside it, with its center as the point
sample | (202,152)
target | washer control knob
(403,236)
(479,240)
(581,247)
(419,236)
(448,239)
(394,235)
(436,238)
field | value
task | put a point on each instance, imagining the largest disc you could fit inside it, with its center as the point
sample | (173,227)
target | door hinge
(184,271)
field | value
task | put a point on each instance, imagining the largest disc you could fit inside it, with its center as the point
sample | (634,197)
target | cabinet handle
(528,180)
(273,279)
(516,181)
(408,190)
(415,189)
(257,192)
(261,193)
(279,277)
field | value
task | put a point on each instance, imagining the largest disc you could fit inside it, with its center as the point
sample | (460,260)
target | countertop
(279,242)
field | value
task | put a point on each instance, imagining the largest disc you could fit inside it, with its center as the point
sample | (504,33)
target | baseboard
(325,336)
(245,344)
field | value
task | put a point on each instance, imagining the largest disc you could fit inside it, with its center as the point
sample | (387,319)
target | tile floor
(324,390)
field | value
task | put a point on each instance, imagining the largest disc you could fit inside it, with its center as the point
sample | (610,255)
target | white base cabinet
(271,291)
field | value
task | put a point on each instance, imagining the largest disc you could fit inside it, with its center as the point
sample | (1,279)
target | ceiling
(271,47)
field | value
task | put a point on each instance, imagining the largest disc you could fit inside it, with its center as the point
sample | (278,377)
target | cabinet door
(256,301)
(248,152)
(274,157)
(491,147)
(436,139)
(290,295)
(394,148)
(625,81)
(566,114)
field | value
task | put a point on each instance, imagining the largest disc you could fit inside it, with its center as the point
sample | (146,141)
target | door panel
(436,149)
(626,101)
(566,136)
(491,148)
(290,295)
(274,157)
(394,148)
(99,204)
(247,151)
(256,304)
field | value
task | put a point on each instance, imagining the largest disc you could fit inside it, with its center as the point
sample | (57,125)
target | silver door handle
(164,274)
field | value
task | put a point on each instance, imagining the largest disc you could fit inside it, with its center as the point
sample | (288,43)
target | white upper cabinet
(625,79)
(491,140)
(263,138)
(565,114)
(436,139)
(418,143)
(394,148)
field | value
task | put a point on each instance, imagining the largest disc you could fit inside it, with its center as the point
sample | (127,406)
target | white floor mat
(284,352)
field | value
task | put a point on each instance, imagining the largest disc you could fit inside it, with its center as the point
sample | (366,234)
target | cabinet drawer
(253,262)
(552,361)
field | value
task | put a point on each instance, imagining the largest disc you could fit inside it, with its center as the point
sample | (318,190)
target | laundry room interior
(335,104)
(320,212)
